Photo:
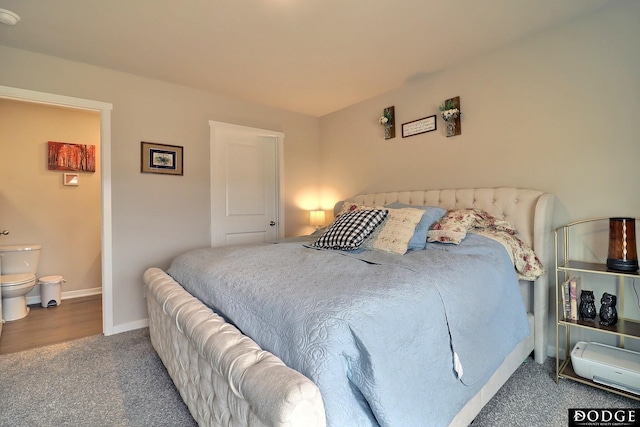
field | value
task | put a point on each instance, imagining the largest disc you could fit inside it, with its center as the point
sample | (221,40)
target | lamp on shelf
(622,254)
(316,218)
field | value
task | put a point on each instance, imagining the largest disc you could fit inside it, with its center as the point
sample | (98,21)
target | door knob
(4,232)
(272,223)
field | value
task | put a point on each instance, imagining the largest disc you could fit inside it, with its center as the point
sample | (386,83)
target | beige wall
(156,217)
(36,207)
(559,112)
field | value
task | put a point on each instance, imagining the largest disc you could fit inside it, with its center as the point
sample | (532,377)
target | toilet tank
(19,259)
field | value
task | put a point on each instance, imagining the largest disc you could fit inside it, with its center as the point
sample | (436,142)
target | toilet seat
(16,279)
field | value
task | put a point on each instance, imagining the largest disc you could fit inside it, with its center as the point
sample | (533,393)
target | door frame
(104,109)
(279,137)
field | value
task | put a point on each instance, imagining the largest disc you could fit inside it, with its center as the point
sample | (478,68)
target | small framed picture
(71,179)
(161,158)
(416,127)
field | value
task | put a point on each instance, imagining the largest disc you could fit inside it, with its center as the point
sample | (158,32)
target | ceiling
(308,56)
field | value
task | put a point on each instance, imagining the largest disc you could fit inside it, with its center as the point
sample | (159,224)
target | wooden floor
(72,319)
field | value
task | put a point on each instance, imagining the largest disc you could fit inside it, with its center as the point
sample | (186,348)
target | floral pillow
(454,225)
(350,207)
(485,220)
(396,232)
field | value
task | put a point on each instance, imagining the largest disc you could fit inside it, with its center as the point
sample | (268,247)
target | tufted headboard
(529,211)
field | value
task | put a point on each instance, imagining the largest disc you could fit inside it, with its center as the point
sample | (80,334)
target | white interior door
(245,184)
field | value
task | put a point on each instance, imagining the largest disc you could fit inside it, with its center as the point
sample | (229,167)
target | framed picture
(416,127)
(71,179)
(161,158)
(71,157)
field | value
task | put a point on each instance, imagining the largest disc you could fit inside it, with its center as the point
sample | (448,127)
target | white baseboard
(551,352)
(126,327)
(68,295)
(138,324)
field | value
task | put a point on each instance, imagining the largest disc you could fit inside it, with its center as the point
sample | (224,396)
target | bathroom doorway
(92,274)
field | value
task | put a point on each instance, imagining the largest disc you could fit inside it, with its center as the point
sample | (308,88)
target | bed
(227,379)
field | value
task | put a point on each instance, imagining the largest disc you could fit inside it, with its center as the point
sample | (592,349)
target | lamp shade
(623,254)
(316,218)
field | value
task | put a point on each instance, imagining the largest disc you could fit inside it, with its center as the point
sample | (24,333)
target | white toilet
(18,264)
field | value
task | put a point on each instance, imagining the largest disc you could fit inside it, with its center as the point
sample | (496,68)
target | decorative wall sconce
(316,218)
(388,121)
(450,112)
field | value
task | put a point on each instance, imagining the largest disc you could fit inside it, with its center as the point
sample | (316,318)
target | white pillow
(396,232)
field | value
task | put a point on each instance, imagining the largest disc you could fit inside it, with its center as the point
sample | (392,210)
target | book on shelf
(566,299)
(573,293)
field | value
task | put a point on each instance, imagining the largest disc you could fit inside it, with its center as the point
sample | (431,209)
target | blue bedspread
(376,332)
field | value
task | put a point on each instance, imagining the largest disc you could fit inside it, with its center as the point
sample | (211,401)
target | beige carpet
(120,381)
(96,381)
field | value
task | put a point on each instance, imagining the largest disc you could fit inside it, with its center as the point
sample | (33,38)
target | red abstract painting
(72,157)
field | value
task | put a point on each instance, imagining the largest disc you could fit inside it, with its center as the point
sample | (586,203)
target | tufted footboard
(224,377)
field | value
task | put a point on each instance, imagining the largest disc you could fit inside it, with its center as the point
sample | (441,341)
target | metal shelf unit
(625,328)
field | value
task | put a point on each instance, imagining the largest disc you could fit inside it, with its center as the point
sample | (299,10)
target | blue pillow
(430,216)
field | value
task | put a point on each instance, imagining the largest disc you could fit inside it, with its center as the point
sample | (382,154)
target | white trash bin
(50,291)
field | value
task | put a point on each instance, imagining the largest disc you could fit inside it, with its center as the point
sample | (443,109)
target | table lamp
(316,218)
(622,254)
